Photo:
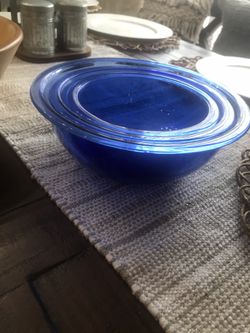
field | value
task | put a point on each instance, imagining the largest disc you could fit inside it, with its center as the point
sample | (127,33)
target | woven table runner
(180,246)
(243,171)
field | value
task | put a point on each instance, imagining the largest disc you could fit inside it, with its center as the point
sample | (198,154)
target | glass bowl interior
(66,93)
(65,103)
(196,111)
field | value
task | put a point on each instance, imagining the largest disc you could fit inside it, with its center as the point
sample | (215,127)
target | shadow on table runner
(180,246)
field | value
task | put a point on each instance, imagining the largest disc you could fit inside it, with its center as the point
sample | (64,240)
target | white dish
(127,27)
(233,72)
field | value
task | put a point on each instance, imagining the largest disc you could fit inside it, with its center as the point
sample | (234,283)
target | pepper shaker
(37,20)
(72,25)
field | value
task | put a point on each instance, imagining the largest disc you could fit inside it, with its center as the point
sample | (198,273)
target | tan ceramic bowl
(11,36)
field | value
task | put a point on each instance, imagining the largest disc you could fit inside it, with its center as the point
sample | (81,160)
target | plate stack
(138,121)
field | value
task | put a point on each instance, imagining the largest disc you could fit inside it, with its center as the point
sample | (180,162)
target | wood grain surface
(51,278)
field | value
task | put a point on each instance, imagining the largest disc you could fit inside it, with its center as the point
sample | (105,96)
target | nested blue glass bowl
(138,121)
(63,102)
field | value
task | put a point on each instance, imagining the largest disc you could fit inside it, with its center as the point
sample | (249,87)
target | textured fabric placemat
(189,63)
(180,246)
(243,179)
(170,43)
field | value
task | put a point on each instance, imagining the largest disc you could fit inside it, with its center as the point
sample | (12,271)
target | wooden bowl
(10,38)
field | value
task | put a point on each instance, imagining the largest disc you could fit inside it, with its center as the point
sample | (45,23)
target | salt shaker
(72,25)
(37,19)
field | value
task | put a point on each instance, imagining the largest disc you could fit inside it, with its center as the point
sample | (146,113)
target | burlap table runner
(180,246)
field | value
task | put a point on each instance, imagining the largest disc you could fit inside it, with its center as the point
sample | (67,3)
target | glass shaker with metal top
(37,20)
(72,24)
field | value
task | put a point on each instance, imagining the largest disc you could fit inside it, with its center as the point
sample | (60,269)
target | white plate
(231,71)
(127,27)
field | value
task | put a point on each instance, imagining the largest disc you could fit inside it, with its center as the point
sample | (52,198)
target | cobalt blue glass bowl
(138,121)
(64,104)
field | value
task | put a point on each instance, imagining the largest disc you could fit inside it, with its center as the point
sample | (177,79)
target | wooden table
(51,278)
